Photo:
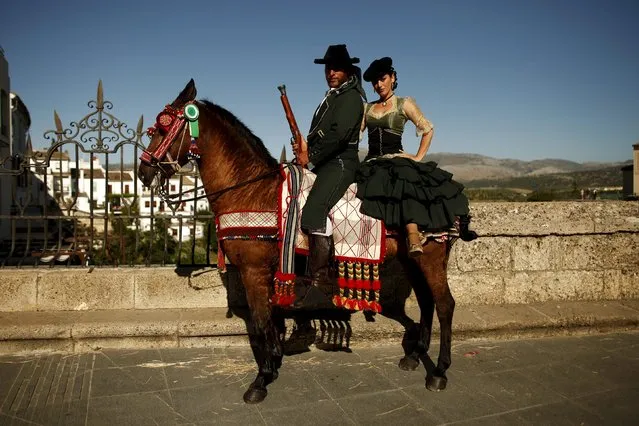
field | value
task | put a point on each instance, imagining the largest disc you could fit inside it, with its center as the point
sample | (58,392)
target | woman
(396,186)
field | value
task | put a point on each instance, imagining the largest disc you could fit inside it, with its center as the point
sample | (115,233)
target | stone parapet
(526,253)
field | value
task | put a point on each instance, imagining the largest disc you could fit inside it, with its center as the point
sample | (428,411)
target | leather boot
(320,254)
(320,292)
(464,233)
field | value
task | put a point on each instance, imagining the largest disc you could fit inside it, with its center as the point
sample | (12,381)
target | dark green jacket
(335,126)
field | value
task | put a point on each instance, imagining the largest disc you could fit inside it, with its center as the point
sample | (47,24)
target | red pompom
(363,305)
(337,301)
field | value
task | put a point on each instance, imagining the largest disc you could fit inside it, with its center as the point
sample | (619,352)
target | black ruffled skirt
(401,191)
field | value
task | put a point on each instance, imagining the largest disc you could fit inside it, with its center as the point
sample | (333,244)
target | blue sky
(526,79)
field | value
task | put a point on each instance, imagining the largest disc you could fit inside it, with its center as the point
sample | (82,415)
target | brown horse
(238,173)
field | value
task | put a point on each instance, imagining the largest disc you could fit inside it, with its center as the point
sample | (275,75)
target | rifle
(296,139)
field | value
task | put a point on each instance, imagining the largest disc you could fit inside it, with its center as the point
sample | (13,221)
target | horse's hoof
(254,395)
(436,383)
(408,364)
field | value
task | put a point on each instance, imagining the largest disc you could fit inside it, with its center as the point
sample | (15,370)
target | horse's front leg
(263,333)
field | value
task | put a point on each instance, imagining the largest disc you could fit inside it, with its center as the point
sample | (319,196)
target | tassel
(194,151)
(376,286)
(275,299)
(221,263)
(337,299)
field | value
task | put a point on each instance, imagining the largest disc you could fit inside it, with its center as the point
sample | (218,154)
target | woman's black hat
(337,54)
(378,68)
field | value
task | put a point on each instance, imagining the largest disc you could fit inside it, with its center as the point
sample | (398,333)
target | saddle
(358,243)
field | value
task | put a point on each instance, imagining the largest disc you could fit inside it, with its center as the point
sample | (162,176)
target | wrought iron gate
(80,202)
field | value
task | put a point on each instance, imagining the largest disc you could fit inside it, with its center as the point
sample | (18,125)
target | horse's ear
(188,94)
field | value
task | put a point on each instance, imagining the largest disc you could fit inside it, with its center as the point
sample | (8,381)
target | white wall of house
(5,145)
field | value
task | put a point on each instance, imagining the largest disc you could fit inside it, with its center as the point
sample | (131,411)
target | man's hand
(301,152)
(302,158)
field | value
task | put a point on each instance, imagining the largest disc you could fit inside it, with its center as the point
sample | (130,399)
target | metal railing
(80,202)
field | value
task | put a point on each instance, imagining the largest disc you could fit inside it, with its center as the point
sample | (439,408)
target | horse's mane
(254,142)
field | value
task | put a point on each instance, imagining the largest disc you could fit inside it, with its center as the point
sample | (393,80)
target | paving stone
(512,389)
(456,403)
(109,358)
(384,408)
(211,401)
(568,380)
(151,408)
(127,380)
(614,407)
(320,413)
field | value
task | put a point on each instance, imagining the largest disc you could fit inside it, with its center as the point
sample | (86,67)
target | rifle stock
(296,140)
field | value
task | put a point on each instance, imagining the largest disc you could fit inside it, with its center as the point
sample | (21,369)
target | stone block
(97,324)
(530,287)
(517,316)
(96,344)
(616,216)
(209,322)
(539,218)
(621,284)
(477,288)
(214,341)
(163,288)
(536,253)
(18,290)
(79,289)
(16,347)
(574,314)
(36,325)
(483,254)
(599,252)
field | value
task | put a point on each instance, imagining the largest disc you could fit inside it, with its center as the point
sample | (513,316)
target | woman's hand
(411,156)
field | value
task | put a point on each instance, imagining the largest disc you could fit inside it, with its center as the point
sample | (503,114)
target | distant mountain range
(474,167)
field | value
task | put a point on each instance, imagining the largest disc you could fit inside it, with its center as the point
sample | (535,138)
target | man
(332,145)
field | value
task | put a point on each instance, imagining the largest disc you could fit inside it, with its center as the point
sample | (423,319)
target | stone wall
(528,252)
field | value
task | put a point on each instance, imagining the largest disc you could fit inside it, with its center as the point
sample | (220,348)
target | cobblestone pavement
(579,380)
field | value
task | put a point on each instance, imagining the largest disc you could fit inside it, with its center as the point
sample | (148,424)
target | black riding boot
(320,292)
(464,233)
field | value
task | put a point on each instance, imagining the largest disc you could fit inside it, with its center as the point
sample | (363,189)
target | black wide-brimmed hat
(378,68)
(337,54)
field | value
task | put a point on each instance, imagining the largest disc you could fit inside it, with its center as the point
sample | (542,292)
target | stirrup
(415,249)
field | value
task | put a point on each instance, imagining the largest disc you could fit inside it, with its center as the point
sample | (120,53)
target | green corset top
(394,119)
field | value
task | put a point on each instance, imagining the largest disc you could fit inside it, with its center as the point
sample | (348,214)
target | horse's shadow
(330,329)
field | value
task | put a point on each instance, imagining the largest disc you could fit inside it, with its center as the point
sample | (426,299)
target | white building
(20,124)
(85,188)
(5,144)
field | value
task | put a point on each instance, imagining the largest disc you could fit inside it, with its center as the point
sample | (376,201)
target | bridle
(171,121)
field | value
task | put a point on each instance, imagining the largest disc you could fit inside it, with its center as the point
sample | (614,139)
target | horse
(239,174)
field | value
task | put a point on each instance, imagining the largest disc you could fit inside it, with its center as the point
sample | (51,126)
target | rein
(171,121)
(215,195)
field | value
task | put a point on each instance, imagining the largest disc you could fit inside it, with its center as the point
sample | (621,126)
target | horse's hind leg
(433,264)
(263,333)
(416,339)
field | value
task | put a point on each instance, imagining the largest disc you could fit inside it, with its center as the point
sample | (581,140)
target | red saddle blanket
(359,240)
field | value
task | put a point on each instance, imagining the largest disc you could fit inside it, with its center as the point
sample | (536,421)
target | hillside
(608,177)
(475,167)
